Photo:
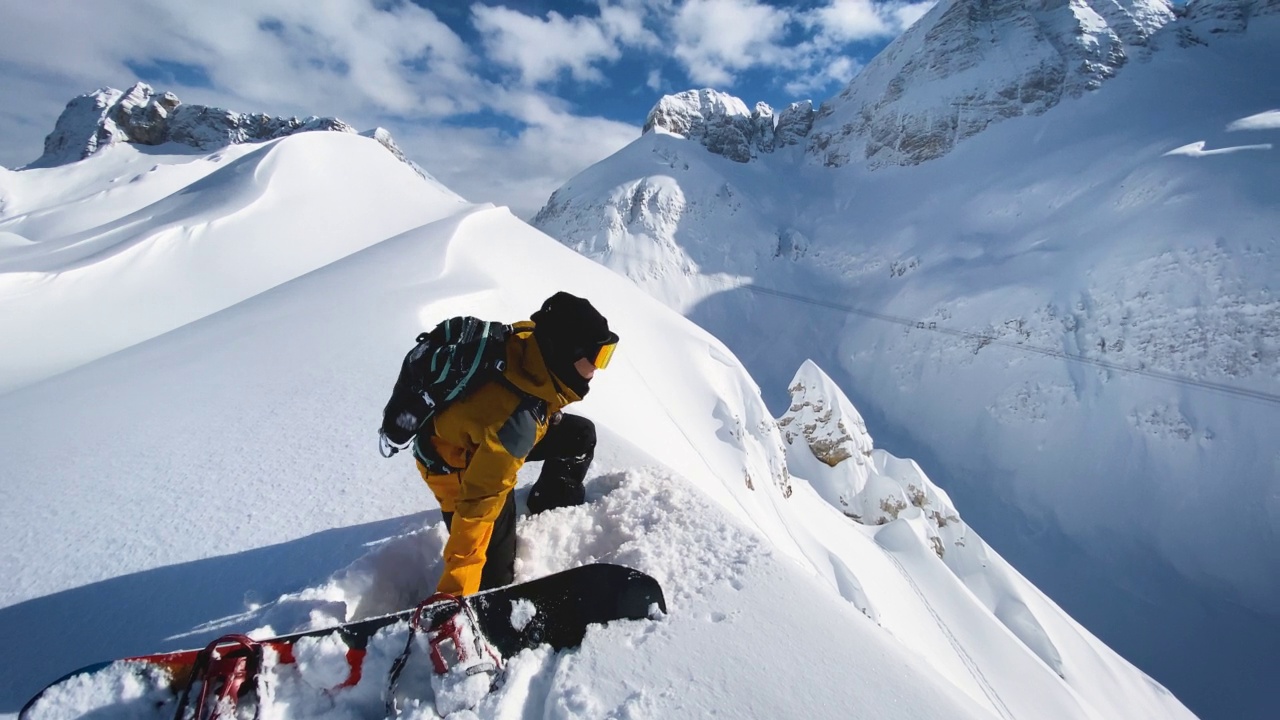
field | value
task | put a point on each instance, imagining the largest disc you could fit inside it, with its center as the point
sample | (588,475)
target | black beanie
(567,328)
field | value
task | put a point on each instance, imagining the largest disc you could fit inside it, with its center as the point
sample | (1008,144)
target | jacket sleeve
(489,476)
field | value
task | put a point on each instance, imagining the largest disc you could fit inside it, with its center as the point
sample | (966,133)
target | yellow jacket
(489,433)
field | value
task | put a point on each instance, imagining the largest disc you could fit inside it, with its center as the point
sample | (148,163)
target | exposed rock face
(722,123)
(866,484)
(824,419)
(1202,19)
(969,63)
(794,124)
(140,115)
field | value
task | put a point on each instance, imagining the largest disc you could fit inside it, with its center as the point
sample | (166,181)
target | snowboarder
(470,451)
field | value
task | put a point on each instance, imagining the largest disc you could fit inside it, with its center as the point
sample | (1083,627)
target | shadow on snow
(156,610)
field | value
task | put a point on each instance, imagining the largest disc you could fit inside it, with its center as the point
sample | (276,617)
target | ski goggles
(602,354)
(599,352)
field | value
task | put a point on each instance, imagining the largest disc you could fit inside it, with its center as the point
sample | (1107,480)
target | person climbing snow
(470,451)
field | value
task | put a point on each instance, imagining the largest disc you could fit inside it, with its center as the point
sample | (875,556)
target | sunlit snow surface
(87,245)
(223,476)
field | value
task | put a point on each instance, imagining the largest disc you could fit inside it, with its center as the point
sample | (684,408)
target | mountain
(1065,303)
(141,116)
(967,65)
(723,125)
(222,475)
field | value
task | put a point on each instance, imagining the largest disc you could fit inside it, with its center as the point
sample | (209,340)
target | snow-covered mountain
(724,126)
(141,116)
(970,63)
(218,471)
(1063,299)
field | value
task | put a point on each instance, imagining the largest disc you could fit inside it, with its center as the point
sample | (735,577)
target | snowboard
(555,610)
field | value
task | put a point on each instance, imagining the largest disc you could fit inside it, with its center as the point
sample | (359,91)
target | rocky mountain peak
(970,63)
(722,123)
(823,418)
(142,116)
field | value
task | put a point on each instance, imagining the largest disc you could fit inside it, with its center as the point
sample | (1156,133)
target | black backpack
(459,355)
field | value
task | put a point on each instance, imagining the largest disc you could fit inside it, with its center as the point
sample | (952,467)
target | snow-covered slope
(223,475)
(1012,309)
(163,236)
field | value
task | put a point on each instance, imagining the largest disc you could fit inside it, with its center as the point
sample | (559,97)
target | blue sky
(503,100)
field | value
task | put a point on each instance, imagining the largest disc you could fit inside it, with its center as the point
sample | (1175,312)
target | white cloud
(837,70)
(845,21)
(534,161)
(851,20)
(716,38)
(626,22)
(654,81)
(1269,120)
(272,53)
(907,14)
(540,49)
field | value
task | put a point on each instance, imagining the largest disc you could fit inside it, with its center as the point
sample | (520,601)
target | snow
(1011,313)
(1196,149)
(1269,120)
(218,472)
(522,613)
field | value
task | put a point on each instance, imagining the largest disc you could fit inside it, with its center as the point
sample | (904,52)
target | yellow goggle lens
(603,356)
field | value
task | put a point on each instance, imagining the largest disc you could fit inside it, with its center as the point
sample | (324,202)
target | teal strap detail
(444,370)
(475,364)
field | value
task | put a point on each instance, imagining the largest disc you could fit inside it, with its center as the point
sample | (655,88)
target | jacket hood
(527,369)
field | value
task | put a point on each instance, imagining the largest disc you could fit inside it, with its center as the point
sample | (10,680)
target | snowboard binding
(225,666)
(465,665)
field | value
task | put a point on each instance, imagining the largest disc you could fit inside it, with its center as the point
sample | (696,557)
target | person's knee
(583,433)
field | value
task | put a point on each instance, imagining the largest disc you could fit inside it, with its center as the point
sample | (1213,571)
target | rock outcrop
(1201,20)
(142,116)
(722,123)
